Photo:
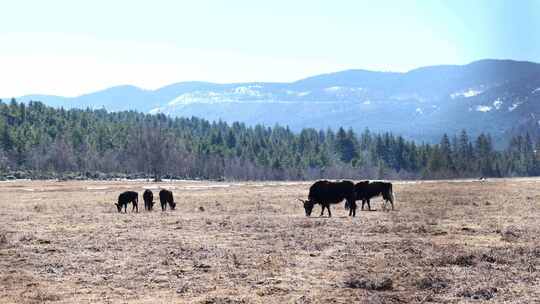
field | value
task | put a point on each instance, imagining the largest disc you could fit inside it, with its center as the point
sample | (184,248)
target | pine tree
(345,145)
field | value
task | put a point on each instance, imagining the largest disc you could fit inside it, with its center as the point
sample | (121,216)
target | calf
(327,193)
(166,197)
(365,191)
(128,197)
(148,198)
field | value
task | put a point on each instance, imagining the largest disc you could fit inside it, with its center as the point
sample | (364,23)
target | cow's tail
(392,196)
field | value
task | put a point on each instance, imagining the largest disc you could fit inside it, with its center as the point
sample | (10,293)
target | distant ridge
(496,96)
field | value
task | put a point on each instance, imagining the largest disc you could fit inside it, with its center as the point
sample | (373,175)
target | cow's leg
(352,211)
(363,203)
(322,209)
(391,203)
(351,201)
(329,213)
(368,204)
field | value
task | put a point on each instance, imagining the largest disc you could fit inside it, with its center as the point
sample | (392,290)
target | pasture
(446,242)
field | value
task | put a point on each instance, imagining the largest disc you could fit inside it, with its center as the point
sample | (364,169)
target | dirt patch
(449,259)
(511,233)
(3,239)
(378,284)
(480,293)
(434,283)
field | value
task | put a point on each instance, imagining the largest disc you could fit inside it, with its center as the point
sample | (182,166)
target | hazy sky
(70,47)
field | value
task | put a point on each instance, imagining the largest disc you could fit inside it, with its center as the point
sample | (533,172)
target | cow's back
(367,190)
(330,192)
(165,195)
(148,196)
(381,187)
(127,196)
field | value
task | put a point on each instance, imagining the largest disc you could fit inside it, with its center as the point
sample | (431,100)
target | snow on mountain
(333,89)
(514,106)
(466,94)
(483,108)
(497,103)
(248,91)
(421,104)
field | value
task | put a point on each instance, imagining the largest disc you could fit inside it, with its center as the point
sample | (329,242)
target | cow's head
(172,205)
(308,206)
(119,207)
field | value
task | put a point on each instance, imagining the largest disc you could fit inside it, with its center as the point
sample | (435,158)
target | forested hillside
(41,141)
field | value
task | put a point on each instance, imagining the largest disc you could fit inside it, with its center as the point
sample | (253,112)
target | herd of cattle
(323,192)
(165,197)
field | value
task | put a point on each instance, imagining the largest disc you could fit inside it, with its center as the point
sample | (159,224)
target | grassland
(446,242)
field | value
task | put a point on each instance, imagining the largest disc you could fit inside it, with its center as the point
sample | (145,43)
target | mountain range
(500,97)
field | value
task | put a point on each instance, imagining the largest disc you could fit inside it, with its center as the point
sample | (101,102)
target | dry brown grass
(447,242)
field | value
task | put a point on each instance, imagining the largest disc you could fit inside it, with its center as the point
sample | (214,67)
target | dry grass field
(446,242)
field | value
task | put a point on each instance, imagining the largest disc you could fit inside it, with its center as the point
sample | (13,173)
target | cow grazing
(148,198)
(365,191)
(128,197)
(166,197)
(326,193)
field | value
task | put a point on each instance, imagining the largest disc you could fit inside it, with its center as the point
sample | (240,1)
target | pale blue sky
(70,47)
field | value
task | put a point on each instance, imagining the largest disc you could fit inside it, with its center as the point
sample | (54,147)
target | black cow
(365,191)
(128,197)
(166,197)
(148,198)
(326,193)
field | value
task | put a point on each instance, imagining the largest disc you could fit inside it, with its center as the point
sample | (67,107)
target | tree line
(41,141)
